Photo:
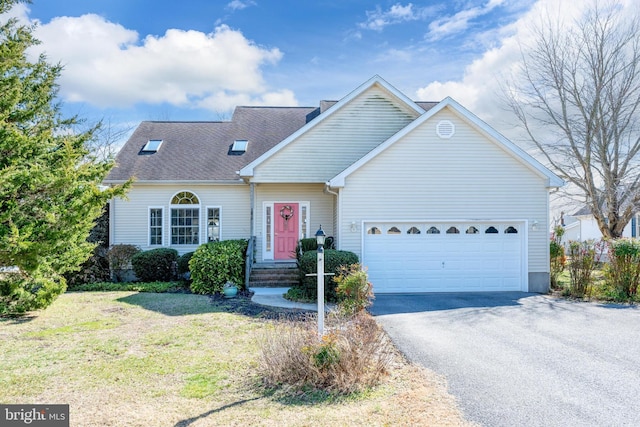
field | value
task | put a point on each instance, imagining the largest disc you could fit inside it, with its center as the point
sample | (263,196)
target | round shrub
(19,294)
(183,263)
(333,261)
(119,257)
(215,263)
(156,265)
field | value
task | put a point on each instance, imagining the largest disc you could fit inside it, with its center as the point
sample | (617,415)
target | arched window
(413,230)
(185,198)
(394,230)
(453,230)
(491,230)
(511,230)
(472,230)
(185,219)
(374,230)
(433,230)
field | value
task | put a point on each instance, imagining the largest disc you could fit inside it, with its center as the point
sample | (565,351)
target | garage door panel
(445,262)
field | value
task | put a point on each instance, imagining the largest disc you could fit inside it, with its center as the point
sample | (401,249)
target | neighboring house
(429,197)
(582,226)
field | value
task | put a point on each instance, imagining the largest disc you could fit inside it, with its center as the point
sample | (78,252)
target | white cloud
(107,65)
(378,19)
(19,11)
(225,101)
(240,4)
(459,22)
(395,56)
(480,87)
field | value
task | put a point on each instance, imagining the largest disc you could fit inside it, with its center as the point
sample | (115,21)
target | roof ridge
(186,121)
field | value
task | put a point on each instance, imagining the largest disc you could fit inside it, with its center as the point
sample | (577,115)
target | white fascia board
(181,182)
(248,170)
(552,179)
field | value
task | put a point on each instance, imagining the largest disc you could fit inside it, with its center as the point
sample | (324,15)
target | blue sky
(131,60)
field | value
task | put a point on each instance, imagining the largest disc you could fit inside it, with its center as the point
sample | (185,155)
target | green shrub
(155,265)
(623,272)
(183,263)
(119,257)
(19,293)
(155,287)
(311,244)
(581,264)
(96,267)
(297,294)
(215,263)
(305,245)
(333,260)
(353,288)
(557,256)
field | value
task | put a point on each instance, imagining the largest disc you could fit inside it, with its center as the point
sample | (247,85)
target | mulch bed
(242,304)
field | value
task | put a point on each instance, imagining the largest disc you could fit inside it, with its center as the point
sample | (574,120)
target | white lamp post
(320,238)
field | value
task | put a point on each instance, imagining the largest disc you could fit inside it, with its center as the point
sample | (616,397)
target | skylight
(240,145)
(152,146)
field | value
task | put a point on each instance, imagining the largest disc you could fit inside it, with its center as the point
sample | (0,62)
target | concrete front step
(274,275)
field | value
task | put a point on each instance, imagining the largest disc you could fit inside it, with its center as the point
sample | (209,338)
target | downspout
(252,239)
(252,204)
(328,190)
(112,221)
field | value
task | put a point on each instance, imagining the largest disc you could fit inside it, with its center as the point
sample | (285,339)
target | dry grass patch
(129,359)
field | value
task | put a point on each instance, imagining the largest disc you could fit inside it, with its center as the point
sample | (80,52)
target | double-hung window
(185,219)
(213,224)
(155,226)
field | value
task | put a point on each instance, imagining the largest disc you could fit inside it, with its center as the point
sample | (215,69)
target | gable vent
(445,129)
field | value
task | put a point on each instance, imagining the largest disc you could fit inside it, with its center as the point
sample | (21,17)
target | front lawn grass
(150,359)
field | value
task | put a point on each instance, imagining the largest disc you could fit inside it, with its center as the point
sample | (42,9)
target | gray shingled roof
(201,151)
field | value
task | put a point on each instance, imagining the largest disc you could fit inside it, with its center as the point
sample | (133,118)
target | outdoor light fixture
(320,238)
(534,225)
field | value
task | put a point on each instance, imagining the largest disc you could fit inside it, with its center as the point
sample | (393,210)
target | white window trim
(206,222)
(200,221)
(269,255)
(161,226)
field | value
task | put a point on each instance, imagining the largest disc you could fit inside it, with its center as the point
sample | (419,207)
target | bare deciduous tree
(107,139)
(577,98)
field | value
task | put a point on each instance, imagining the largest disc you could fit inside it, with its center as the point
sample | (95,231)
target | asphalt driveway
(518,359)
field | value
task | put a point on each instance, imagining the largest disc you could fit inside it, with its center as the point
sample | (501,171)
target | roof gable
(471,119)
(248,170)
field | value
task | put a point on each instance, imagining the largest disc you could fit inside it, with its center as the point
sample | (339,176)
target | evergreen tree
(50,193)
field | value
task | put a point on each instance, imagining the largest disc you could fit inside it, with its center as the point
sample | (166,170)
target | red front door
(285,229)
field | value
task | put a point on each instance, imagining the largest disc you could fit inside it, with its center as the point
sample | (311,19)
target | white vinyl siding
(130,218)
(338,141)
(466,177)
(320,208)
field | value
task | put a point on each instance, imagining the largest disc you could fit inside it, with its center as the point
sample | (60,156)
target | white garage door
(445,256)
